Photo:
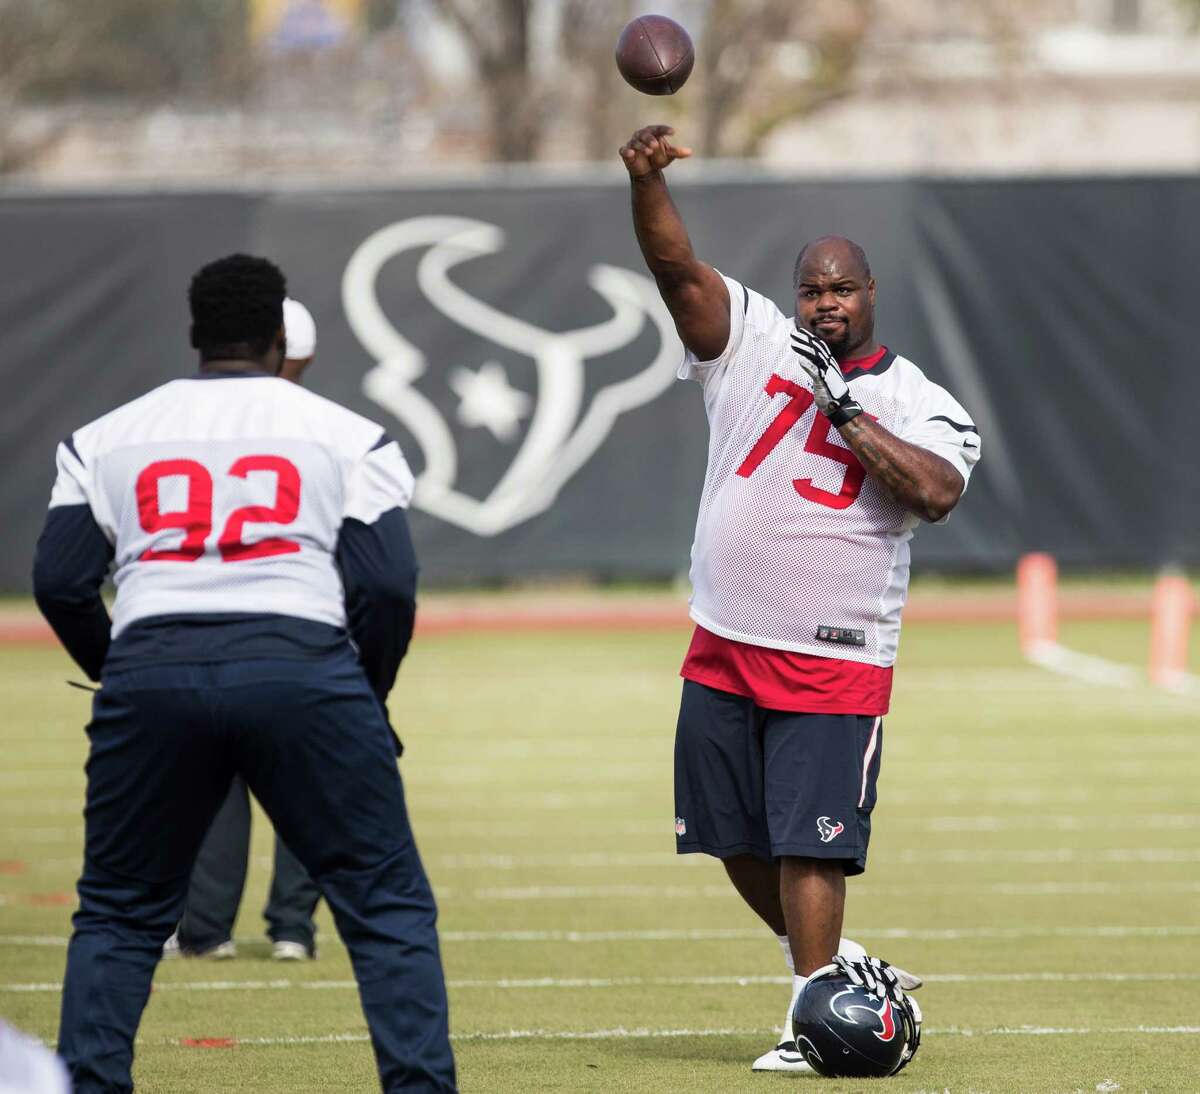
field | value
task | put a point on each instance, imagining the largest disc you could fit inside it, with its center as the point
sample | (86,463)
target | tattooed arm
(921,481)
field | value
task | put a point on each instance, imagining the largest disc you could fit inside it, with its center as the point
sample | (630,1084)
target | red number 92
(196,520)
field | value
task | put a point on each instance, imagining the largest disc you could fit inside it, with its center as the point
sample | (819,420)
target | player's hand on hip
(649,150)
(830,389)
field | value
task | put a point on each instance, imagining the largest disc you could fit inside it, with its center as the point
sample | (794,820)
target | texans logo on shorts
(829,829)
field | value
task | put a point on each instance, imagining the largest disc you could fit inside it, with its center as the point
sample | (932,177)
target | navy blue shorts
(752,781)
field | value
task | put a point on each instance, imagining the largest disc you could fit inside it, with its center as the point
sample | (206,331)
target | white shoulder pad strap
(378,482)
(71,482)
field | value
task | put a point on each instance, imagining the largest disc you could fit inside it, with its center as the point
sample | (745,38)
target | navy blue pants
(219,876)
(310,739)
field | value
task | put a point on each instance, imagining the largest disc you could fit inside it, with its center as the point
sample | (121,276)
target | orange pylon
(1170,629)
(1037,601)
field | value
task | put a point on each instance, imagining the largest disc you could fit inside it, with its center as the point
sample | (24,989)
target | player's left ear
(871,291)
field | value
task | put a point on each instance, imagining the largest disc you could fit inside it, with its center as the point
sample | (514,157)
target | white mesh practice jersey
(227,493)
(796,548)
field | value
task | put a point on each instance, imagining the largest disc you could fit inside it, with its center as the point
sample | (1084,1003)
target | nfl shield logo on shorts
(680,826)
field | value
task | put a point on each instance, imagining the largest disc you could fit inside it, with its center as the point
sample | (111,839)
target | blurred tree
(497,33)
(1191,10)
(381,14)
(759,63)
(763,62)
(41,39)
(120,50)
(139,49)
(588,78)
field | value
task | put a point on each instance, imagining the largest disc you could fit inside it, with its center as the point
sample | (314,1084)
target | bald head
(828,253)
(835,296)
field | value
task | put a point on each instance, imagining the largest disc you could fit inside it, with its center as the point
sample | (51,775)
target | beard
(838,337)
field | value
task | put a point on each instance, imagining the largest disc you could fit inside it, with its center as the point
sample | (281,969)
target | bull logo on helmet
(564,428)
(844,1007)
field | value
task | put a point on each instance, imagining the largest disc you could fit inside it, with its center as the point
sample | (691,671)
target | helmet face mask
(844,1030)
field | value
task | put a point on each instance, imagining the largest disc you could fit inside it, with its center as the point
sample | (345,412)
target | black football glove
(830,389)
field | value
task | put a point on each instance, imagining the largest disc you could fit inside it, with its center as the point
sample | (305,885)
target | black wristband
(843,410)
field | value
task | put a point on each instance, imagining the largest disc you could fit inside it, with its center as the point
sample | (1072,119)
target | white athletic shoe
(290,951)
(783,1057)
(222,951)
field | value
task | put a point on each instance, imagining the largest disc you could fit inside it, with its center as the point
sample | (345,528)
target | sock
(786,946)
(846,947)
(798,983)
(851,949)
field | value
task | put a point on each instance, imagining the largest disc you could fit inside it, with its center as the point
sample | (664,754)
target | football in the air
(655,55)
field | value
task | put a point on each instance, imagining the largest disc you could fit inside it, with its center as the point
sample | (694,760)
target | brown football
(655,55)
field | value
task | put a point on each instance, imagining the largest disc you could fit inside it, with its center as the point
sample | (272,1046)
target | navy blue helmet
(844,1029)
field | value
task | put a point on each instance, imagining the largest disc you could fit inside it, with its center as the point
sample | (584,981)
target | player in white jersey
(826,450)
(27,1067)
(265,598)
(219,876)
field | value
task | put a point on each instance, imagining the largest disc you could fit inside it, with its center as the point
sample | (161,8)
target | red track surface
(540,612)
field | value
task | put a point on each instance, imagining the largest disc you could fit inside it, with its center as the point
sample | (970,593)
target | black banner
(511,339)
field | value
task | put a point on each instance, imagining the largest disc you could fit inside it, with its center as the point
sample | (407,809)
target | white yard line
(582,983)
(1053,854)
(620,1033)
(33,940)
(667,859)
(1060,822)
(701,934)
(712,892)
(1025,821)
(1083,667)
(1185,684)
(636,859)
(931,934)
(1026,796)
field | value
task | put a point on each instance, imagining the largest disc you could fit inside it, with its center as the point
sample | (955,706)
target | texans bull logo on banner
(565,428)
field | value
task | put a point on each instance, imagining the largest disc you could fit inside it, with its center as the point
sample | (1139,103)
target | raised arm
(695,294)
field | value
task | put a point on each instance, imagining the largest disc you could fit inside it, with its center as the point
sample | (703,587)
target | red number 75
(818,444)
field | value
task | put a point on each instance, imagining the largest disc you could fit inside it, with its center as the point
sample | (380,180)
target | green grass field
(1036,857)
